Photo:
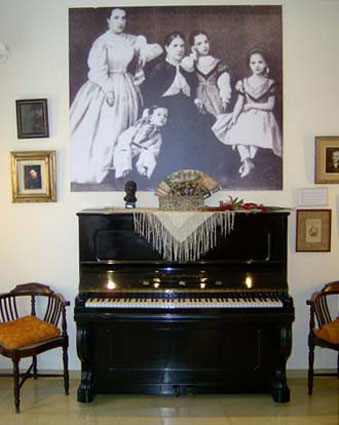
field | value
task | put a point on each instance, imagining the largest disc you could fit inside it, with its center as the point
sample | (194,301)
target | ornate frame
(33,176)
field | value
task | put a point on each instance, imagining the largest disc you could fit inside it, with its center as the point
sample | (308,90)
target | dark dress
(184,136)
(33,183)
(331,168)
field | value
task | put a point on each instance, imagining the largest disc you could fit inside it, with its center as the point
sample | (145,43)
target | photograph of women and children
(157,89)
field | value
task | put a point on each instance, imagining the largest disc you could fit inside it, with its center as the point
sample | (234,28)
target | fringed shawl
(185,235)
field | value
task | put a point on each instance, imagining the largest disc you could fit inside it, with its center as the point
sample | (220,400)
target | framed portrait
(327,159)
(32,118)
(33,176)
(113,95)
(313,230)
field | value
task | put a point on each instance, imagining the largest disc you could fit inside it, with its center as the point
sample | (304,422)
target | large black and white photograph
(154,90)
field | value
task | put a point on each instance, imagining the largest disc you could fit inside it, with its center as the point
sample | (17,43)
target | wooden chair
(321,313)
(48,310)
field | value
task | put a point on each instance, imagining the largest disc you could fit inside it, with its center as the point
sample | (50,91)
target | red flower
(253,206)
(236,204)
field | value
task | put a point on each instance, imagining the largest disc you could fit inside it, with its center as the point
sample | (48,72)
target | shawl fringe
(201,238)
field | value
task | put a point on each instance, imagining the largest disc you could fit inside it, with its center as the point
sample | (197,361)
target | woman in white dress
(109,101)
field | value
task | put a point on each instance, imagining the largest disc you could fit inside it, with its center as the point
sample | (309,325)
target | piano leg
(86,390)
(279,389)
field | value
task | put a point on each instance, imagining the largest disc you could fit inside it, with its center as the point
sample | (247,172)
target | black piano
(221,324)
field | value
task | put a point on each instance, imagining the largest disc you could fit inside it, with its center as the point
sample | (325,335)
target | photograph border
(48,190)
(324,245)
(188,141)
(320,174)
(19,117)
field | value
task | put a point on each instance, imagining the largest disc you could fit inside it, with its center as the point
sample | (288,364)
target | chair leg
(35,367)
(66,374)
(310,367)
(16,374)
(338,366)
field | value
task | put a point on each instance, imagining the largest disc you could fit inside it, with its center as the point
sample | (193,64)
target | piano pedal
(190,390)
(176,390)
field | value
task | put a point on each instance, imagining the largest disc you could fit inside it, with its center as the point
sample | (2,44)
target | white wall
(39,242)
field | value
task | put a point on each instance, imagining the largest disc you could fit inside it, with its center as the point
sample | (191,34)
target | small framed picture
(33,176)
(32,118)
(313,230)
(327,159)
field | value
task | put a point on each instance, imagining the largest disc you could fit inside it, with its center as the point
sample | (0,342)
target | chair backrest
(52,304)
(325,303)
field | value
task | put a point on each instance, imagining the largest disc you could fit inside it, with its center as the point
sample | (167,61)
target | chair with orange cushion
(28,330)
(324,311)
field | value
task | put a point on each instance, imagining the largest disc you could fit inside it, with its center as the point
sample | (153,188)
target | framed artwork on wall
(33,176)
(313,230)
(327,159)
(32,118)
(209,69)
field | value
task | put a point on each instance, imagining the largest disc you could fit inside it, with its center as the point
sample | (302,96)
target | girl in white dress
(214,88)
(252,124)
(109,101)
(142,140)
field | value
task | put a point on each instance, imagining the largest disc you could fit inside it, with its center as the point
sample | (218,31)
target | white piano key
(185,302)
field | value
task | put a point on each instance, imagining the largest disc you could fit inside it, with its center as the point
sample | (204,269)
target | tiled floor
(43,403)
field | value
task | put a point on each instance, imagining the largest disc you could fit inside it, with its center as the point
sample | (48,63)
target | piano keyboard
(191,302)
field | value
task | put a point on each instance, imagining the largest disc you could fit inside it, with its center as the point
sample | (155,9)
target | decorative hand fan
(186,189)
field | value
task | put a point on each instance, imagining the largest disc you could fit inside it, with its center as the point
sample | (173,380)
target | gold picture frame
(33,176)
(313,230)
(327,159)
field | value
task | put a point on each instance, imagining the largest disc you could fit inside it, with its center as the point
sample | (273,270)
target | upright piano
(220,324)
